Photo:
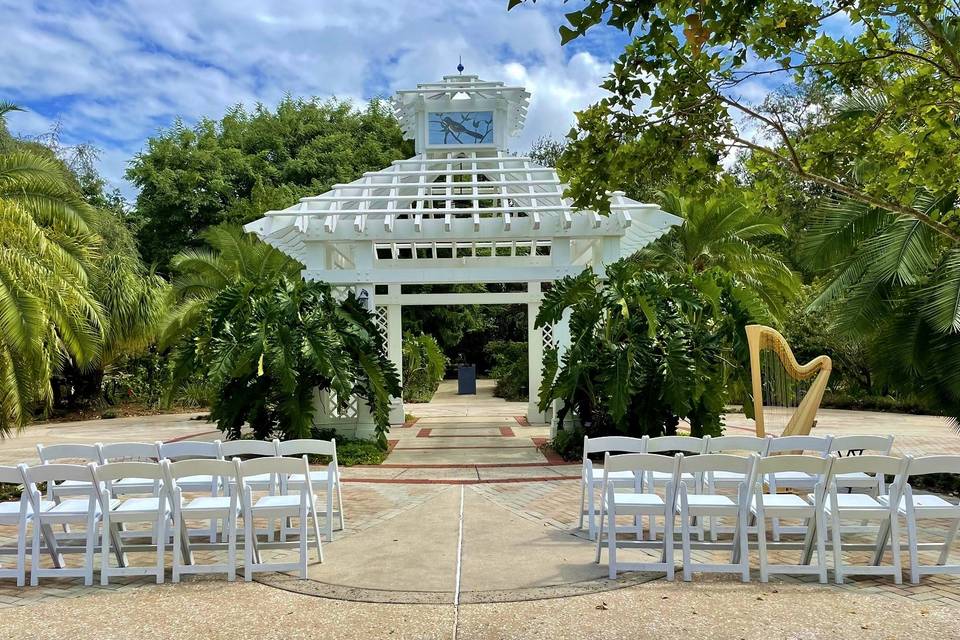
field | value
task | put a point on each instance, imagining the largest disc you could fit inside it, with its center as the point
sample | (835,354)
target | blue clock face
(460,127)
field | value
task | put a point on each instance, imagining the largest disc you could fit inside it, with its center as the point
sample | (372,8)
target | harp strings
(782,391)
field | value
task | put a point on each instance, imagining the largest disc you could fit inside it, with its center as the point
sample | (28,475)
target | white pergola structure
(463,210)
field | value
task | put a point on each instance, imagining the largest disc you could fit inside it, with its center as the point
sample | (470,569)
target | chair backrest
(641,462)
(10,475)
(307,446)
(719,462)
(84,452)
(189,449)
(275,464)
(232,448)
(128,451)
(844,445)
(751,444)
(117,470)
(612,444)
(804,464)
(686,444)
(819,445)
(870,464)
(934,464)
(57,472)
(200,467)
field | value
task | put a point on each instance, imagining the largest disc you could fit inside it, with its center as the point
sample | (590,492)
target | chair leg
(948,542)
(914,554)
(35,553)
(762,545)
(744,546)
(88,556)
(685,541)
(303,541)
(231,533)
(316,532)
(105,550)
(895,548)
(22,552)
(600,530)
(249,542)
(340,505)
(837,550)
(177,545)
(161,531)
(612,543)
(329,512)
(820,524)
(583,497)
(591,510)
(668,542)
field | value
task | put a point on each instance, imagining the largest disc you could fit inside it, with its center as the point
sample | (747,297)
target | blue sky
(114,72)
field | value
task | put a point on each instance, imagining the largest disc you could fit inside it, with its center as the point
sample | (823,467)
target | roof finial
(460,66)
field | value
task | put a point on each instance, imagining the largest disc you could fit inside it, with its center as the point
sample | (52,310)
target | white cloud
(116,72)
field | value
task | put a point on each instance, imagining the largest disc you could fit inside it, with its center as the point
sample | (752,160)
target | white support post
(395,349)
(534,353)
(561,338)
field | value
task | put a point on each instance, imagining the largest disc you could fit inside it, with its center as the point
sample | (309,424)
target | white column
(561,338)
(534,353)
(395,349)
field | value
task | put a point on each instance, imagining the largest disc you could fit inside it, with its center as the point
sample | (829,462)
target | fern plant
(423,367)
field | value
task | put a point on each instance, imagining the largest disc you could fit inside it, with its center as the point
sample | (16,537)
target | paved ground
(500,517)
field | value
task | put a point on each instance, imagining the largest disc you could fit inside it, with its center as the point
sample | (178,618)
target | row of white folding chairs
(99,453)
(164,509)
(823,508)
(816,445)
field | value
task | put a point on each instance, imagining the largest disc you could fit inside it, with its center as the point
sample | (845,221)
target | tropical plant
(724,230)
(266,352)
(423,367)
(647,349)
(510,369)
(48,314)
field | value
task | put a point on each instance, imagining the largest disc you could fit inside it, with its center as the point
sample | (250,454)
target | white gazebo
(462,210)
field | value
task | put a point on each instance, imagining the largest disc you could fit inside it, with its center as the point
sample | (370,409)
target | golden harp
(782,387)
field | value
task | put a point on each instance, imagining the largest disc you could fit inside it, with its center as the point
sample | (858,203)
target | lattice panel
(549,341)
(383,326)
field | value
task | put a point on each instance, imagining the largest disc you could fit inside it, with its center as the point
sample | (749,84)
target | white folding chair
(328,478)
(788,505)
(653,479)
(199,483)
(863,507)
(794,479)
(296,502)
(845,446)
(720,479)
(131,452)
(638,504)
(154,508)
(917,507)
(82,510)
(711,505)
(17,513)
(213,508)
(268,482)
(69,454)
(591,478)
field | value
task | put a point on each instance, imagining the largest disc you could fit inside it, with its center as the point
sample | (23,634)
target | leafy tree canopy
(248,162)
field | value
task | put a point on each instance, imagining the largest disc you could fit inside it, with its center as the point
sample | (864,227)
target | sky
(114,72)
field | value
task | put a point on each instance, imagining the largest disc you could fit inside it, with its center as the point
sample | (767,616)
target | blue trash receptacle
(467,379)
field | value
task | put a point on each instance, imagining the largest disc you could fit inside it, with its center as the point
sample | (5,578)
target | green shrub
(350,451)
(510,368)
(423,367)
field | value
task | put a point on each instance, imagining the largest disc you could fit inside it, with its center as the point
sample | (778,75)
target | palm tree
(233,257)
(48,315)
(723,231)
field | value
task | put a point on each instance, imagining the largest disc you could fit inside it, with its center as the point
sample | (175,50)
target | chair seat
(781,501)
(141,505)
(76,507)
(13,508)
(207,503)
(637,499)
(707,500)
(315,476)
(289,502)
(854,501)
(794,479)
(926,505)
(616,475)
